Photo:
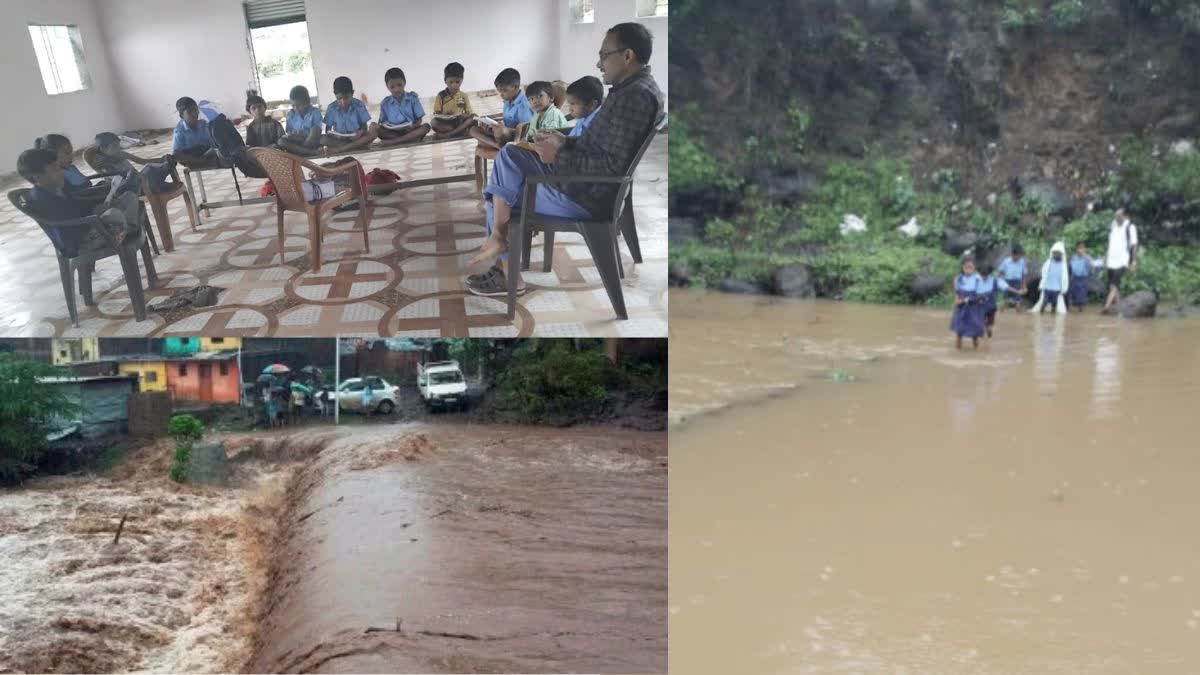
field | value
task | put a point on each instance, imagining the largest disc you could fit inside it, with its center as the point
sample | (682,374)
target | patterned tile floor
(410,283)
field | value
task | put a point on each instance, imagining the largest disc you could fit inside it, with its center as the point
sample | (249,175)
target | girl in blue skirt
(969,305)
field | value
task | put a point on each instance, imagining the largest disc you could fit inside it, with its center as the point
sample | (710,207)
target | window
(224,368)
(217,341)
(183,370)
(583,11)
(151,376)
(60,57)
(649,8)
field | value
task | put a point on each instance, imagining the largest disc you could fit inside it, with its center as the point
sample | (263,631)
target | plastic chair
(286,172)
(156,201)
(83,263)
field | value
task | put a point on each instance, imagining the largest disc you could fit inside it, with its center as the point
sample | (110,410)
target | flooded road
(849,494)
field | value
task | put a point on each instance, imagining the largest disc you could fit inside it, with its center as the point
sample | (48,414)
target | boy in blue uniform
(1081,274)
(1014,271)
(584,98)
(517,111)
(303,124)
(190,143)
(346,120)
(401,115)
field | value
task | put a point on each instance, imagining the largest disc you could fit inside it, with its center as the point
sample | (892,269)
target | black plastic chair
(601,236)
(83,263)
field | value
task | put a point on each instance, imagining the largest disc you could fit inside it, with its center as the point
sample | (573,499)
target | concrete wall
(152,375)
(164,49)
(189,385)
(32,112)
(579,44)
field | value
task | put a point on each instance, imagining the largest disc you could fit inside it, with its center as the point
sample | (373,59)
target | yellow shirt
(458,104)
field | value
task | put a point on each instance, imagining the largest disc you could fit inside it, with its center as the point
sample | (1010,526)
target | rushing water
(850,494)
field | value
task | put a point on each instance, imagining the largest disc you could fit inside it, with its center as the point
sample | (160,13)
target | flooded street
(850,494)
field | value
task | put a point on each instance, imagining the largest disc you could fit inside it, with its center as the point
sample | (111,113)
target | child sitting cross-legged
(452,113)
(190,144)
(401,114)
(263,131)
(304,121)
(346,120)
(516,112)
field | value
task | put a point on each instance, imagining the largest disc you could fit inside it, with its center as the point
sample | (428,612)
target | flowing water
(850,494)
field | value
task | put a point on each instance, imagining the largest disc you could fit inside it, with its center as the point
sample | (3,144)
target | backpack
(231,148)
(381,176)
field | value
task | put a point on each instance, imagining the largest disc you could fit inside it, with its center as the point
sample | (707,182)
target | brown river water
(850,494)
(491,548)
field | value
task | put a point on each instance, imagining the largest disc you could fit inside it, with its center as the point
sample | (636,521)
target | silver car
(383,395)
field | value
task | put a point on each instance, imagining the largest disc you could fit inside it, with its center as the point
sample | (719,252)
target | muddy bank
(473,549)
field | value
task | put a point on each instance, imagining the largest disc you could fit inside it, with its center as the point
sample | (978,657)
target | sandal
(492,286)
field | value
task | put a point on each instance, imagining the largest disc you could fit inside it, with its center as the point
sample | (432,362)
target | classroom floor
(411,283)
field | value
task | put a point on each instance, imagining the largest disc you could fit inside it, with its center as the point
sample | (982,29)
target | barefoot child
(401,116)
(547,116)
(1081,265)
(516,112)
(303,124)
(190,143)
(969,306)
(1014,271)
(1054,282)
(346,120)
(584,97)
(263,131)
(452,113)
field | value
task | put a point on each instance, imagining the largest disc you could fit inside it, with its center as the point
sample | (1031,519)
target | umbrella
(311,370)
(276,369)
(264,378)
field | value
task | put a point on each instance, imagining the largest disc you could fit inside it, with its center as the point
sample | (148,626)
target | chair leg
(151,273)
(515,233)
(617,253)
(629,230)
(68,284)
(527,248)
(599,240)
(479,170)
(547,250)
(145,217)
(314,240)
(162,221)
(85,282)
(366,223)
(191,211)
(133,280)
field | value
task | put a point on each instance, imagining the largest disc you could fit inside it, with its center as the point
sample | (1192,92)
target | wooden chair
(286,172)
(157,201)
(71,263)
(483,154)
(601,236)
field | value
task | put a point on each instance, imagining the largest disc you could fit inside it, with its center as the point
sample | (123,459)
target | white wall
(164,49)
(31,111)
(579,44)
(363,38)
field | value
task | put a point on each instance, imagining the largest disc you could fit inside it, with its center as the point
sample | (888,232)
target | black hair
(1080,243)
(509,77)
(106,138)
(538,88)
(343,85)
(1018,250)
(184,103)
(587,89)
(636,37)
(454,70)
(985,269)
(51,142)
(299,93)
(966,259)
(33,162)
(395,74)
(254,99)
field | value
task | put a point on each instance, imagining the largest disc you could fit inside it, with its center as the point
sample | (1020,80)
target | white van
(442,385)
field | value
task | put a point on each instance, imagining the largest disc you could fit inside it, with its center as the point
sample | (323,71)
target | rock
(678,275)
(793,281)
(852,224)
(208,464)
(1139,305)
(786,188)
(925,285)
(956,243)
(681,230)
(1182,312)
(911,229)
(738,286)
(1183,147)
(1057,201)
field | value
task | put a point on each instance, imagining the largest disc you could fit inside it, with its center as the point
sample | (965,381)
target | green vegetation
(692,167)
(186,430)
(28,410)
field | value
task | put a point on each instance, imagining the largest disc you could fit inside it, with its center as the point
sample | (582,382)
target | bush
(692,167)
(186,430)
(552,382)
(28,409)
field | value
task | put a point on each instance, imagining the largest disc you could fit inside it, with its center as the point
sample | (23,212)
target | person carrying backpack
(1121,254)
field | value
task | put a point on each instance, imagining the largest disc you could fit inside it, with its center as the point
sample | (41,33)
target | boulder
(208,464)
(793,281)
(925,285)
(786,188)
(681,230)
(1139,305)
(1058,202)
(678,275)
(956,243)
(731,285)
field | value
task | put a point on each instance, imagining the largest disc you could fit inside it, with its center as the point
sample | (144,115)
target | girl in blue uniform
(969,305)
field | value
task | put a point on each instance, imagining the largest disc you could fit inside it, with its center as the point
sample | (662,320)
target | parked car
(384,396)
(442,385)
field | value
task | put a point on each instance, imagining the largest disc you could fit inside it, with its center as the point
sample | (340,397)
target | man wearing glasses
(632,110)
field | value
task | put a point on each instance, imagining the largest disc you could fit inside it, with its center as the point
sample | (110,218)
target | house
(64,351)
(204,376)
(181,346)
(151,371)
(102,404)
(220,344)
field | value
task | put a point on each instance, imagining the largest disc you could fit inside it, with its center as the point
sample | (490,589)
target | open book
(487,121)
(340,134)
(445,116)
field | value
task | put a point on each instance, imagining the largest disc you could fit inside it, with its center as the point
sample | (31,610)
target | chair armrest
(87,221)
(547,178)
(110,174)
(319,170)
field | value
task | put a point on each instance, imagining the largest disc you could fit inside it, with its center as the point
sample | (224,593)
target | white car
(442,385)
(383,395)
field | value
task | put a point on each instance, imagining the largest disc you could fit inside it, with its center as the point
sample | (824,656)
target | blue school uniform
(75,180)
(582,123)
(517,111)
(347,121)
(1081,274)
(968,318)
(187,138)
(298,123)
(405,110)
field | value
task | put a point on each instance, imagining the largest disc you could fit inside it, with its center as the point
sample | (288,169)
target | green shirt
(549,119)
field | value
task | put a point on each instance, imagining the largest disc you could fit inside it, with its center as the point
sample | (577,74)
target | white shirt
(1117,256)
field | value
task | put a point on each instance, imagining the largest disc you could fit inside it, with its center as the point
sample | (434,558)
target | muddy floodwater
(850,494)
(405,548)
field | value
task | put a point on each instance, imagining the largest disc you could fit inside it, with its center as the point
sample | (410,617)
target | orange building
(204,376)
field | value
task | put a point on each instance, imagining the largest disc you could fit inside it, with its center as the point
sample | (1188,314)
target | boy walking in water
(1014,271)
(1121,254)
(1081,274)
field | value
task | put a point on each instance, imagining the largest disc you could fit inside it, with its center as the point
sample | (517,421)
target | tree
(28,408)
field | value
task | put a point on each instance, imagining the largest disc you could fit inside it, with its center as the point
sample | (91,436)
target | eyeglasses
(605,55)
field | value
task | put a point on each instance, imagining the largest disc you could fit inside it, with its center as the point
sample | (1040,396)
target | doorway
(282,60)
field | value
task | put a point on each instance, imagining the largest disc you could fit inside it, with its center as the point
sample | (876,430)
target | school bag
(382,176)
(231,148)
